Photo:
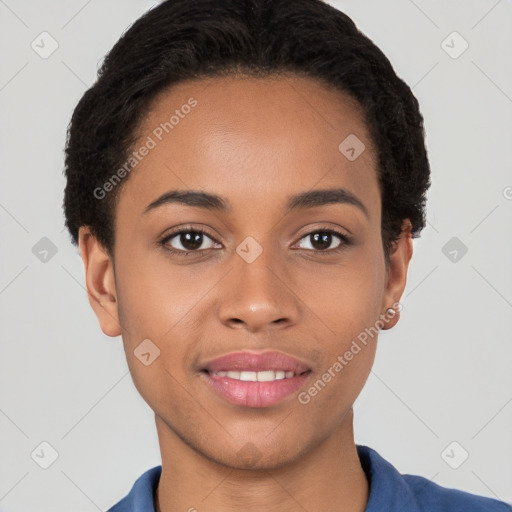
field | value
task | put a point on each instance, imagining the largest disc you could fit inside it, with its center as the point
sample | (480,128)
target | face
(268,264)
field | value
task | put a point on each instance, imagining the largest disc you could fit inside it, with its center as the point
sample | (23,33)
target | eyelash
(346,241)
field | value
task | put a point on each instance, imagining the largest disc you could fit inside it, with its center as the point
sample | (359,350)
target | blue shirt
(390,491)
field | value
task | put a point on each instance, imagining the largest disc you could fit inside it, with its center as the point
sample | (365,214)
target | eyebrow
(310,199)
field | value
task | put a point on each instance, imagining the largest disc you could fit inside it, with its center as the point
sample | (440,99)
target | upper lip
(256,361)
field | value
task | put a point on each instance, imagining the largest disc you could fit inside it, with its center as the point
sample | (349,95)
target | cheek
(153,317)
(155,296)
(338,384)
(163,303)
(348,308)
(346,298)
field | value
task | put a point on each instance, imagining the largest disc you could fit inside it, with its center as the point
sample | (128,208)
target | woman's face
(305,280)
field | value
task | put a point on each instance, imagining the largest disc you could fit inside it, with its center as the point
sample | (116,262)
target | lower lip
(255,394)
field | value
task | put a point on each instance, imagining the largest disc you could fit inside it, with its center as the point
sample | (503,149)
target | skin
(255,142)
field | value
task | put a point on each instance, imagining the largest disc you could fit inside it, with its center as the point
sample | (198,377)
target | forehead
(253,139)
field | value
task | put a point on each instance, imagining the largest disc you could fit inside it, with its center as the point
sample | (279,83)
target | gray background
(442,375)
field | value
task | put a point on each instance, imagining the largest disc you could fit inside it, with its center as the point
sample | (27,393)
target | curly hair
(195,39)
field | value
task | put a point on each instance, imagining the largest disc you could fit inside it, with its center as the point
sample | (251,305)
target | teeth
(263,376)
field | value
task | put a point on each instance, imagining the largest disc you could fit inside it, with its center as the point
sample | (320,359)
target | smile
(255,389)
(255,379)
(263,376)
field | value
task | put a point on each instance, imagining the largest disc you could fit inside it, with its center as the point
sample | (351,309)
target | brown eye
(322,240)
(187,241)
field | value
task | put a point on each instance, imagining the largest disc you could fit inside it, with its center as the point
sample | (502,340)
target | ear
(396,278)
(100,282)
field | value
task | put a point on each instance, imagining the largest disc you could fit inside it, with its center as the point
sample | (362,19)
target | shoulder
(433,498)
(141,495)
(392,491)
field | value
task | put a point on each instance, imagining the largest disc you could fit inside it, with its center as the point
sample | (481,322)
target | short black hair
(189,39)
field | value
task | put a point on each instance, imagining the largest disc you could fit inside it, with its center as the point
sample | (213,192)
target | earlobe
(399,259)
(100,282)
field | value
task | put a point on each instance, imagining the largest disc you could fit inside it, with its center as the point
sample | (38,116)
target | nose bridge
(256,294)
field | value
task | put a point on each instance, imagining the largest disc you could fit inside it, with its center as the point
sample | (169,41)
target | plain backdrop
(439,400)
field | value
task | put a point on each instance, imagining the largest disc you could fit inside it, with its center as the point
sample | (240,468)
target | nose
(258,296)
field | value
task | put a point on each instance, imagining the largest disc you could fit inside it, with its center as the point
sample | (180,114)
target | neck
(329,477)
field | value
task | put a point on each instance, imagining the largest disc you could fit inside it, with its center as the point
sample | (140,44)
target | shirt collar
(388,490)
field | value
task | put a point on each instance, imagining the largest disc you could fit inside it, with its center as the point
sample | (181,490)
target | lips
(255,379)
(247,361)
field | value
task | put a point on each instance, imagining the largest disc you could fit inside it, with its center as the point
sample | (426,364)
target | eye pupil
(191,240)
(321,238)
